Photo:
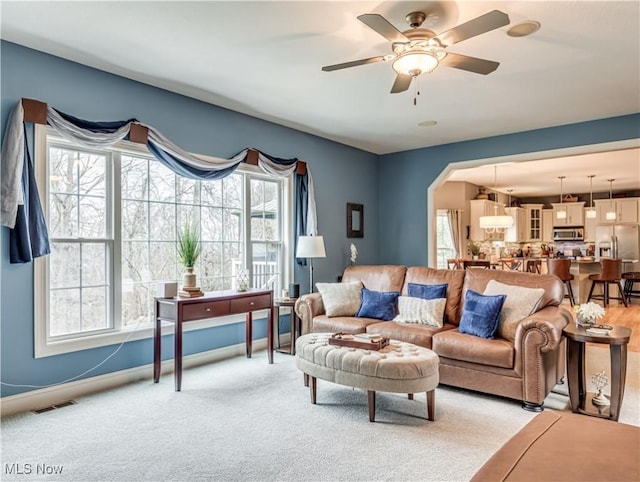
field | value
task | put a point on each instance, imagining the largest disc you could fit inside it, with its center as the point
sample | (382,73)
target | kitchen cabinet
(626,210)
(483,207)
(590,228)
(575,214)
(518,232)
(533,222)
(547,225)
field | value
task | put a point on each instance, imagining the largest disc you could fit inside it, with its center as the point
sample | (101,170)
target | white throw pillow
(421,311)
(520,303)
(341,299)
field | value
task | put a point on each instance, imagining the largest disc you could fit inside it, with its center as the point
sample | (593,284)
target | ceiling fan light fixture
(415,63)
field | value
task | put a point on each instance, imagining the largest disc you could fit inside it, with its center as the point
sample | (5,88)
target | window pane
(134,178)
(211,225)
(64,265)
(136,307)
(187,192)
(93,217)
(134,220)
(64,312)
(163,221)
(232,191)
(134,261)
(163,261)
(63,213)
(231,226)
(63,174)
(94,309)
(162,183)
(91,174)
(211,192)
(93,264)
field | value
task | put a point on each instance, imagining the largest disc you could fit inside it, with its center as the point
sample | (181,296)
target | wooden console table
(577,338)
(211,305)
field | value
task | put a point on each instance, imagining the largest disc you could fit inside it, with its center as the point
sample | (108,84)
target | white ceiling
(264,59)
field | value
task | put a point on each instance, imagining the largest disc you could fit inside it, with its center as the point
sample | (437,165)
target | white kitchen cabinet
(547,225)
(575,214)
(483,207)
(590,228)
(626,210)
(533,222)
(518,232)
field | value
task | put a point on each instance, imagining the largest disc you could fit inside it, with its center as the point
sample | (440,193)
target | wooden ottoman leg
(306,380)
(371,395)
(410,395)
(313,390)
(431,405)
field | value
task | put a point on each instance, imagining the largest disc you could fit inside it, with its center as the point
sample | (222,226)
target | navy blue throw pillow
(427,292)
(378,305)
(481,314)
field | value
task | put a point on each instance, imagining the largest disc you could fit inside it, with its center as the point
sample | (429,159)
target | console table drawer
(199,311)
(250,303)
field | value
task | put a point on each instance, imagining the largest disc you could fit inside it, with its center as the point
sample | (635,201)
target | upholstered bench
(399,367)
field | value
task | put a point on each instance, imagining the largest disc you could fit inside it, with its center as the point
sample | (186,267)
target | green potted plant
(188,252)
(474,249)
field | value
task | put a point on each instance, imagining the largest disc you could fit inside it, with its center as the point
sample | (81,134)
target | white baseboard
(46,397)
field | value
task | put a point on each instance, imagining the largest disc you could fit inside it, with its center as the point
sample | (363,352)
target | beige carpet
(242,419)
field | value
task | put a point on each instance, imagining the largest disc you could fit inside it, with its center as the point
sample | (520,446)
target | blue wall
(342,174)
(403,208)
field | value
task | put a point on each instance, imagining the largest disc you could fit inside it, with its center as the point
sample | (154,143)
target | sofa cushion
(481,314)
(460,346)
(376,277)
(421,311)
(417,334)
(454,278)
(341,324)
(341,299)
(520,303)
(477,280)
(427,292)
(378,305)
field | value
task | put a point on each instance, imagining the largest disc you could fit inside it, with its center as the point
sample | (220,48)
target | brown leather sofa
(526,369)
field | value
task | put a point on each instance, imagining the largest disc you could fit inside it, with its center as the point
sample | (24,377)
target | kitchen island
(581,269)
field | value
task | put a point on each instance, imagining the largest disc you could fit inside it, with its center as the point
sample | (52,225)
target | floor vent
(53,407)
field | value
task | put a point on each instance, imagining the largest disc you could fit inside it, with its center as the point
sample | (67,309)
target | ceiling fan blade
(383,27)
(353,63)
(479,25)
(401,83)
(470,64)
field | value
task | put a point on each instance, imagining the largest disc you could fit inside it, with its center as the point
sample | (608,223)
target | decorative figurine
(600,381)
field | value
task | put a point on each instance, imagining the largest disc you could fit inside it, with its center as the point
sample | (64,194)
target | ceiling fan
(419,50)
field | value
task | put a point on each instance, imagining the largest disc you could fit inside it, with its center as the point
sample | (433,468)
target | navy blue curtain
(29,238)
(102,127)
(300,211)
(184,170)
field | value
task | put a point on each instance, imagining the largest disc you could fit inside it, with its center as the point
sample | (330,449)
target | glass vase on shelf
(587,314)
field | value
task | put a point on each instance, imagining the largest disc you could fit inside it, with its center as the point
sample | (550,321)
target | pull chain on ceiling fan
(419,50)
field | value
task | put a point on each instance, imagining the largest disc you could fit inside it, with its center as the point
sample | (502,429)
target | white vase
(189,278)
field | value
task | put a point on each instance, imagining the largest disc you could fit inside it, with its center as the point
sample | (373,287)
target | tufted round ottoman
(399,367)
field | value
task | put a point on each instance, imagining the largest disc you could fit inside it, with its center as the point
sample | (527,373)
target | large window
(113,217)
(446,248)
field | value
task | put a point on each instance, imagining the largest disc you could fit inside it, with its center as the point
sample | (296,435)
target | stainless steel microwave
(568,234)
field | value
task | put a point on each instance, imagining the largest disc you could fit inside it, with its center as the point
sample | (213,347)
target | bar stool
(533,266)
(454,263)
(629,279)
(610,273)
(560,268)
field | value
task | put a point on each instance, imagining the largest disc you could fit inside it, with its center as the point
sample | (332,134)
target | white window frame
(43,346)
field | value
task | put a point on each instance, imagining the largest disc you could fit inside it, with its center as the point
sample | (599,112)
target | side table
(577,338)
(295,322)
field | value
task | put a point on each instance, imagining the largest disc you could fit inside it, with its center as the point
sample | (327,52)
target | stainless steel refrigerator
(618,241)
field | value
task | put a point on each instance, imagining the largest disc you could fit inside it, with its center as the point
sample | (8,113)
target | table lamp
(310,247)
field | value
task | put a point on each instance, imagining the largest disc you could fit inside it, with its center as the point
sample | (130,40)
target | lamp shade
(310,247)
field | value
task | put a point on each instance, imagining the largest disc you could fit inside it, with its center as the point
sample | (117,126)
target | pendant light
(495,223)
(611,213)
(591,212)
(561,213)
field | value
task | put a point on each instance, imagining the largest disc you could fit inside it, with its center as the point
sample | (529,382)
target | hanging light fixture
(591,212)
(495,223)
(561,213)
(611,213)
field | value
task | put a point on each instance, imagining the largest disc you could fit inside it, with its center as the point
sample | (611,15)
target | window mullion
(114,252)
